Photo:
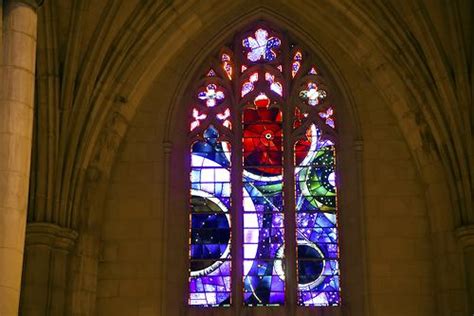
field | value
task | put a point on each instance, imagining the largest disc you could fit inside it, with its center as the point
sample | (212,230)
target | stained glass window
(263,225)
(210,220)
(243,126)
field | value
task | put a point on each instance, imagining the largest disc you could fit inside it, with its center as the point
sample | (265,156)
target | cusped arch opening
(182,109)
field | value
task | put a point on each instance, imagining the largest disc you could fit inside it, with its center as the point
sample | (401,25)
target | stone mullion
(237,187)
(288,184)
(17,74)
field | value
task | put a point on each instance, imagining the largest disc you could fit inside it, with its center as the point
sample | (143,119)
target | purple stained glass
(263,248)
(275,86)
(227,65)
(209,236)
(212,95)
(295,66)
(262,69)
(261,46)
(211,73)
(248,85)
(316,221)
(327,116)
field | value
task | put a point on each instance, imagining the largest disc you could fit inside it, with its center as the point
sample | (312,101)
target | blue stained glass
(309,270)
(264,278)
(210,237)
(262,210)
(246,88)
(212,95)
(316,225)
(261,46)
(315,219)
(213,153)
(209,221)
(206,251)
(275,86)
(316,180)
(297,58)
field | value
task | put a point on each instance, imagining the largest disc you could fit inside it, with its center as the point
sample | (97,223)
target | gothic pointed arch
(262,133)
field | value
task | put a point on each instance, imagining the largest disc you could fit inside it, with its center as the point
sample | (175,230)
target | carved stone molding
(35,4)
(358,145)
(465,236)
(50,235)
(48,249)
(167,147)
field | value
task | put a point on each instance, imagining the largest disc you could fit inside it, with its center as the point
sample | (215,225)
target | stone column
(45,278)
(465,236)
(17,80)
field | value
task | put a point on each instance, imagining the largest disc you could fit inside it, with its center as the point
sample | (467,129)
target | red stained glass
(263,140)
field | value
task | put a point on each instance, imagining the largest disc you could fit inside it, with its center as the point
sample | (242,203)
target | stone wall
(110,77)
(130,260)
(400,269)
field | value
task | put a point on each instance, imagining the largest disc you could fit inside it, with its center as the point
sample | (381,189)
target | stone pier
(17,73)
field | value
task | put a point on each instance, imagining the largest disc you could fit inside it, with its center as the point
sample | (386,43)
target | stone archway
(142,55)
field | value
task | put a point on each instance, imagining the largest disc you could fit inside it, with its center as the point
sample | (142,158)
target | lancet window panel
(263,139)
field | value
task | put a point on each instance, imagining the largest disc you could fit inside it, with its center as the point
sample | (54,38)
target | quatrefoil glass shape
(211,95)
(313,94)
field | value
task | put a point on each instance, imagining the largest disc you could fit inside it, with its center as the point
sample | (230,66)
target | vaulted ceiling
(98,59)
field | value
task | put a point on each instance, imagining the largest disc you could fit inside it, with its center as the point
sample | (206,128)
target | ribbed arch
(160,50)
